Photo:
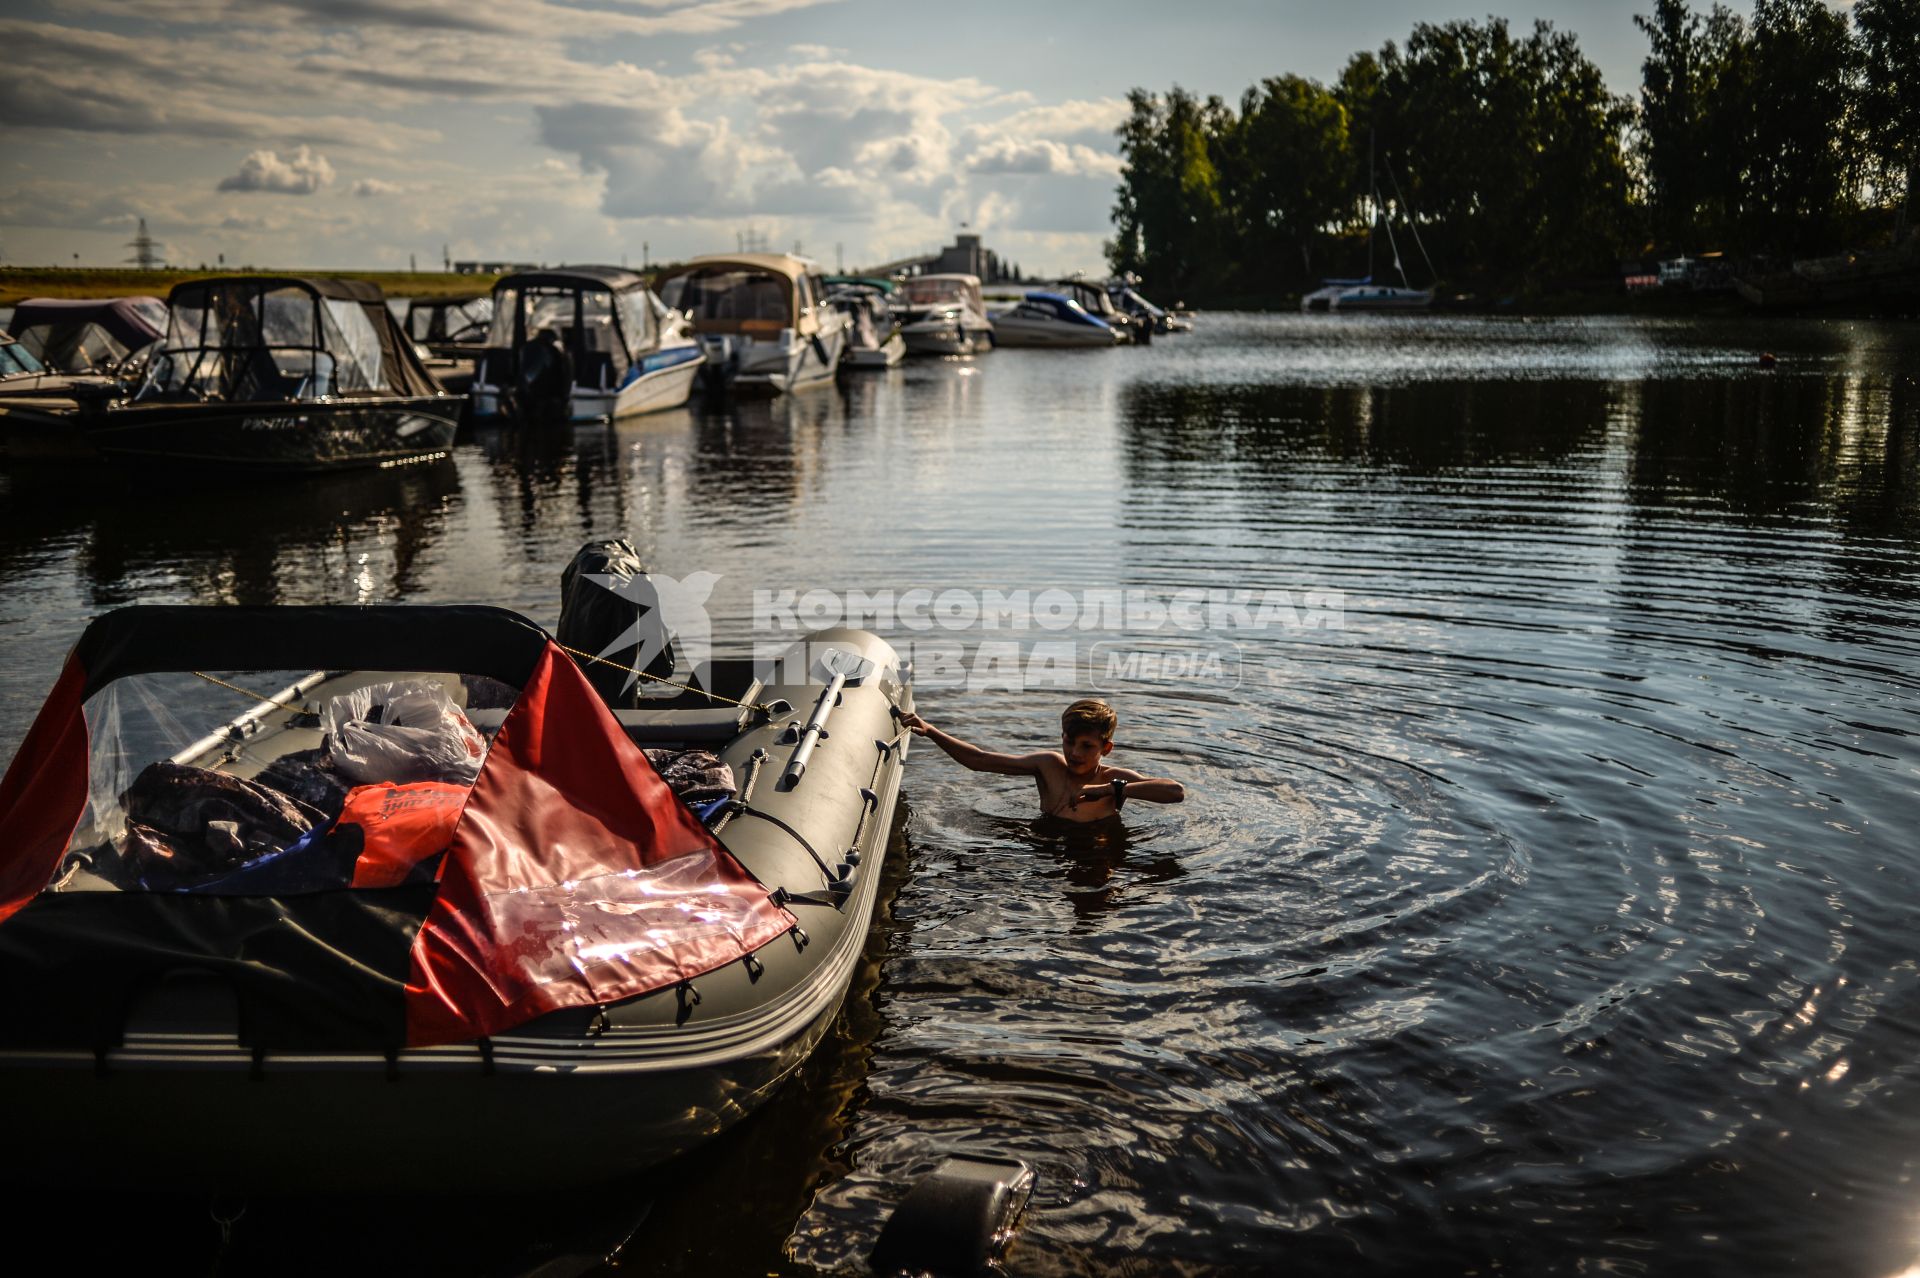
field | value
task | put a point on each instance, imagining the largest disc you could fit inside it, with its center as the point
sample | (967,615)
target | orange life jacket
(401,825)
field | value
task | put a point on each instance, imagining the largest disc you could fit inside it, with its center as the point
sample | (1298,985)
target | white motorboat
(762,318)
(944,315)
(582,343)
(1052,320)
(873,339)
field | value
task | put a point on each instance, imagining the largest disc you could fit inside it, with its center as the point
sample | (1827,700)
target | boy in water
(1074,783)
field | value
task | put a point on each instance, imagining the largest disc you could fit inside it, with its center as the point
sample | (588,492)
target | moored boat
(1096,301)
(75,335)
(873,334)
(762,319)
(1365,295)
(504,953)
(278,373)
(453,332)
(944,315)
(582,343)
(1051,320)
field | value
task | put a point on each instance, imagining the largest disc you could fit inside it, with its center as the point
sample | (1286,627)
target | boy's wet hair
(1089,715)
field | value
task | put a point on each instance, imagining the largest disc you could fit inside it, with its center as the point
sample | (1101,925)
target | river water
(1544,693)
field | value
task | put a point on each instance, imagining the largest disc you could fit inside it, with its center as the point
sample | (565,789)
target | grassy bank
(20,283)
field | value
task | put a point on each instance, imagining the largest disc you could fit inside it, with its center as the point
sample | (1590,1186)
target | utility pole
(644,252)
(839,258)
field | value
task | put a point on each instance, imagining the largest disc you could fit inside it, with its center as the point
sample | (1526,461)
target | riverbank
(19,283)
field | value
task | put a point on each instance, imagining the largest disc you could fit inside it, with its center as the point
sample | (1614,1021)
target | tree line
(1504,160)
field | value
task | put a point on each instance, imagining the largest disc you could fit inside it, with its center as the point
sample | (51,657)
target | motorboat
(1365,295)
(944,315)
(873,336)
(272,372)
(1050,319)
(1094,300)
(452,332)
(582,344)
(1128,300)
(87,336)
(762,319)
(42,411)
(462,907)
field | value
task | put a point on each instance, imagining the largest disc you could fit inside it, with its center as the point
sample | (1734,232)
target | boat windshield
(459,321)
(752,300)
(924,292)
(16,359)
(244,340)
(73,348)
(599,329)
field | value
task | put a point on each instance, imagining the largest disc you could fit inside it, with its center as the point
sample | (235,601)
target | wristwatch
(1119,792)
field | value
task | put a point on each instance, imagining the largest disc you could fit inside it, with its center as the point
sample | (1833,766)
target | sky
(376,134)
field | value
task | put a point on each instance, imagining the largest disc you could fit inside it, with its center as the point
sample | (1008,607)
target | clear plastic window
(263,783)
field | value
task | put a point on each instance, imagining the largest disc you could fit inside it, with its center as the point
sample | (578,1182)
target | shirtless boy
(1074,783)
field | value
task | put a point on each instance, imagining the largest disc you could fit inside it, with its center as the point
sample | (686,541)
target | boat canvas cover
(80,335)
(573,878)
(223,335)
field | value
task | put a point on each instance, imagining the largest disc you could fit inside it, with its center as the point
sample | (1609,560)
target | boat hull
(328,435)
(666,381)
(946,337)
(1008,331)
(885,355)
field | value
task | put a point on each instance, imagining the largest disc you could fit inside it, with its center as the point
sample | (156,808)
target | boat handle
(816,724)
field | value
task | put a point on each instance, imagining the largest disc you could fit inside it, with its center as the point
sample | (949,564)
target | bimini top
(614,279)
(469,880)
(756,294)
(281,338)
(1064,308)
(87,335)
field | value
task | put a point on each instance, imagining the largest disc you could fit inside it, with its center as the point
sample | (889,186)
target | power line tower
(146,254)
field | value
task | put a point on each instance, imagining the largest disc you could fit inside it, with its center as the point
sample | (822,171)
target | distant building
(965,256)
(491,268)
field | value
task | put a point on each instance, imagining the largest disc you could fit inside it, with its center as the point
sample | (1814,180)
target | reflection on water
(1550,912)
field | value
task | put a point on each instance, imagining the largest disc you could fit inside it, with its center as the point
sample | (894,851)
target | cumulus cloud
(1041,155)
(367,188)
(301,173)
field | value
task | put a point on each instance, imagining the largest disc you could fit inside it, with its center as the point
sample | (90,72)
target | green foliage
(1505,151)
(1517,168)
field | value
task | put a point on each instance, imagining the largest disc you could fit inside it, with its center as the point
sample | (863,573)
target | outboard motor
(542,385)
(609,609)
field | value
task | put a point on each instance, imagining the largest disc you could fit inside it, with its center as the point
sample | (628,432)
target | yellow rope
(713,696)
(242,691)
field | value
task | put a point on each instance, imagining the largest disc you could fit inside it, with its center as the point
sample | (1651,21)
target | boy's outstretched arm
(969,756)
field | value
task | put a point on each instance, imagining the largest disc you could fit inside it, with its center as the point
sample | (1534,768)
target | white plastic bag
(402,732)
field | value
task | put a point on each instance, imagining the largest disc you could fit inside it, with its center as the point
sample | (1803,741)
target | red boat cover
(574,877)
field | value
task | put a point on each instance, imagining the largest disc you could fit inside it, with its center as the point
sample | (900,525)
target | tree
(1293,142)
(1805,70)
(1890,97)
(1669,136)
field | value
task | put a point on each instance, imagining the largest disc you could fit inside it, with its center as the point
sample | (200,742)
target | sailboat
(1365,294)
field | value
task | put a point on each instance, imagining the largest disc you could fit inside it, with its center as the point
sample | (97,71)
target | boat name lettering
(273,423)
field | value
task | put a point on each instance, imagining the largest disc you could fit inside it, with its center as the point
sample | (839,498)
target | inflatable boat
(426,915)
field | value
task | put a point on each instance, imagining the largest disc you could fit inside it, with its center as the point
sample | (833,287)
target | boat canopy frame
(327,338)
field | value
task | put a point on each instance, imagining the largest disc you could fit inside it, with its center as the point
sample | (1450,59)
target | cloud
(301,173)
(366,188)
(1042,155)
(656,162)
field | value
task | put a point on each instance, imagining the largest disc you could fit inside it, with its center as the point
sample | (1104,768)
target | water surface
(1548,907)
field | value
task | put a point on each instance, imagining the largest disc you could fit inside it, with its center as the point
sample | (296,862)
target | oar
(839,667)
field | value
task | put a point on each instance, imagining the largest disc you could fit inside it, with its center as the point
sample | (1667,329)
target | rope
(242,691)
(683,687)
